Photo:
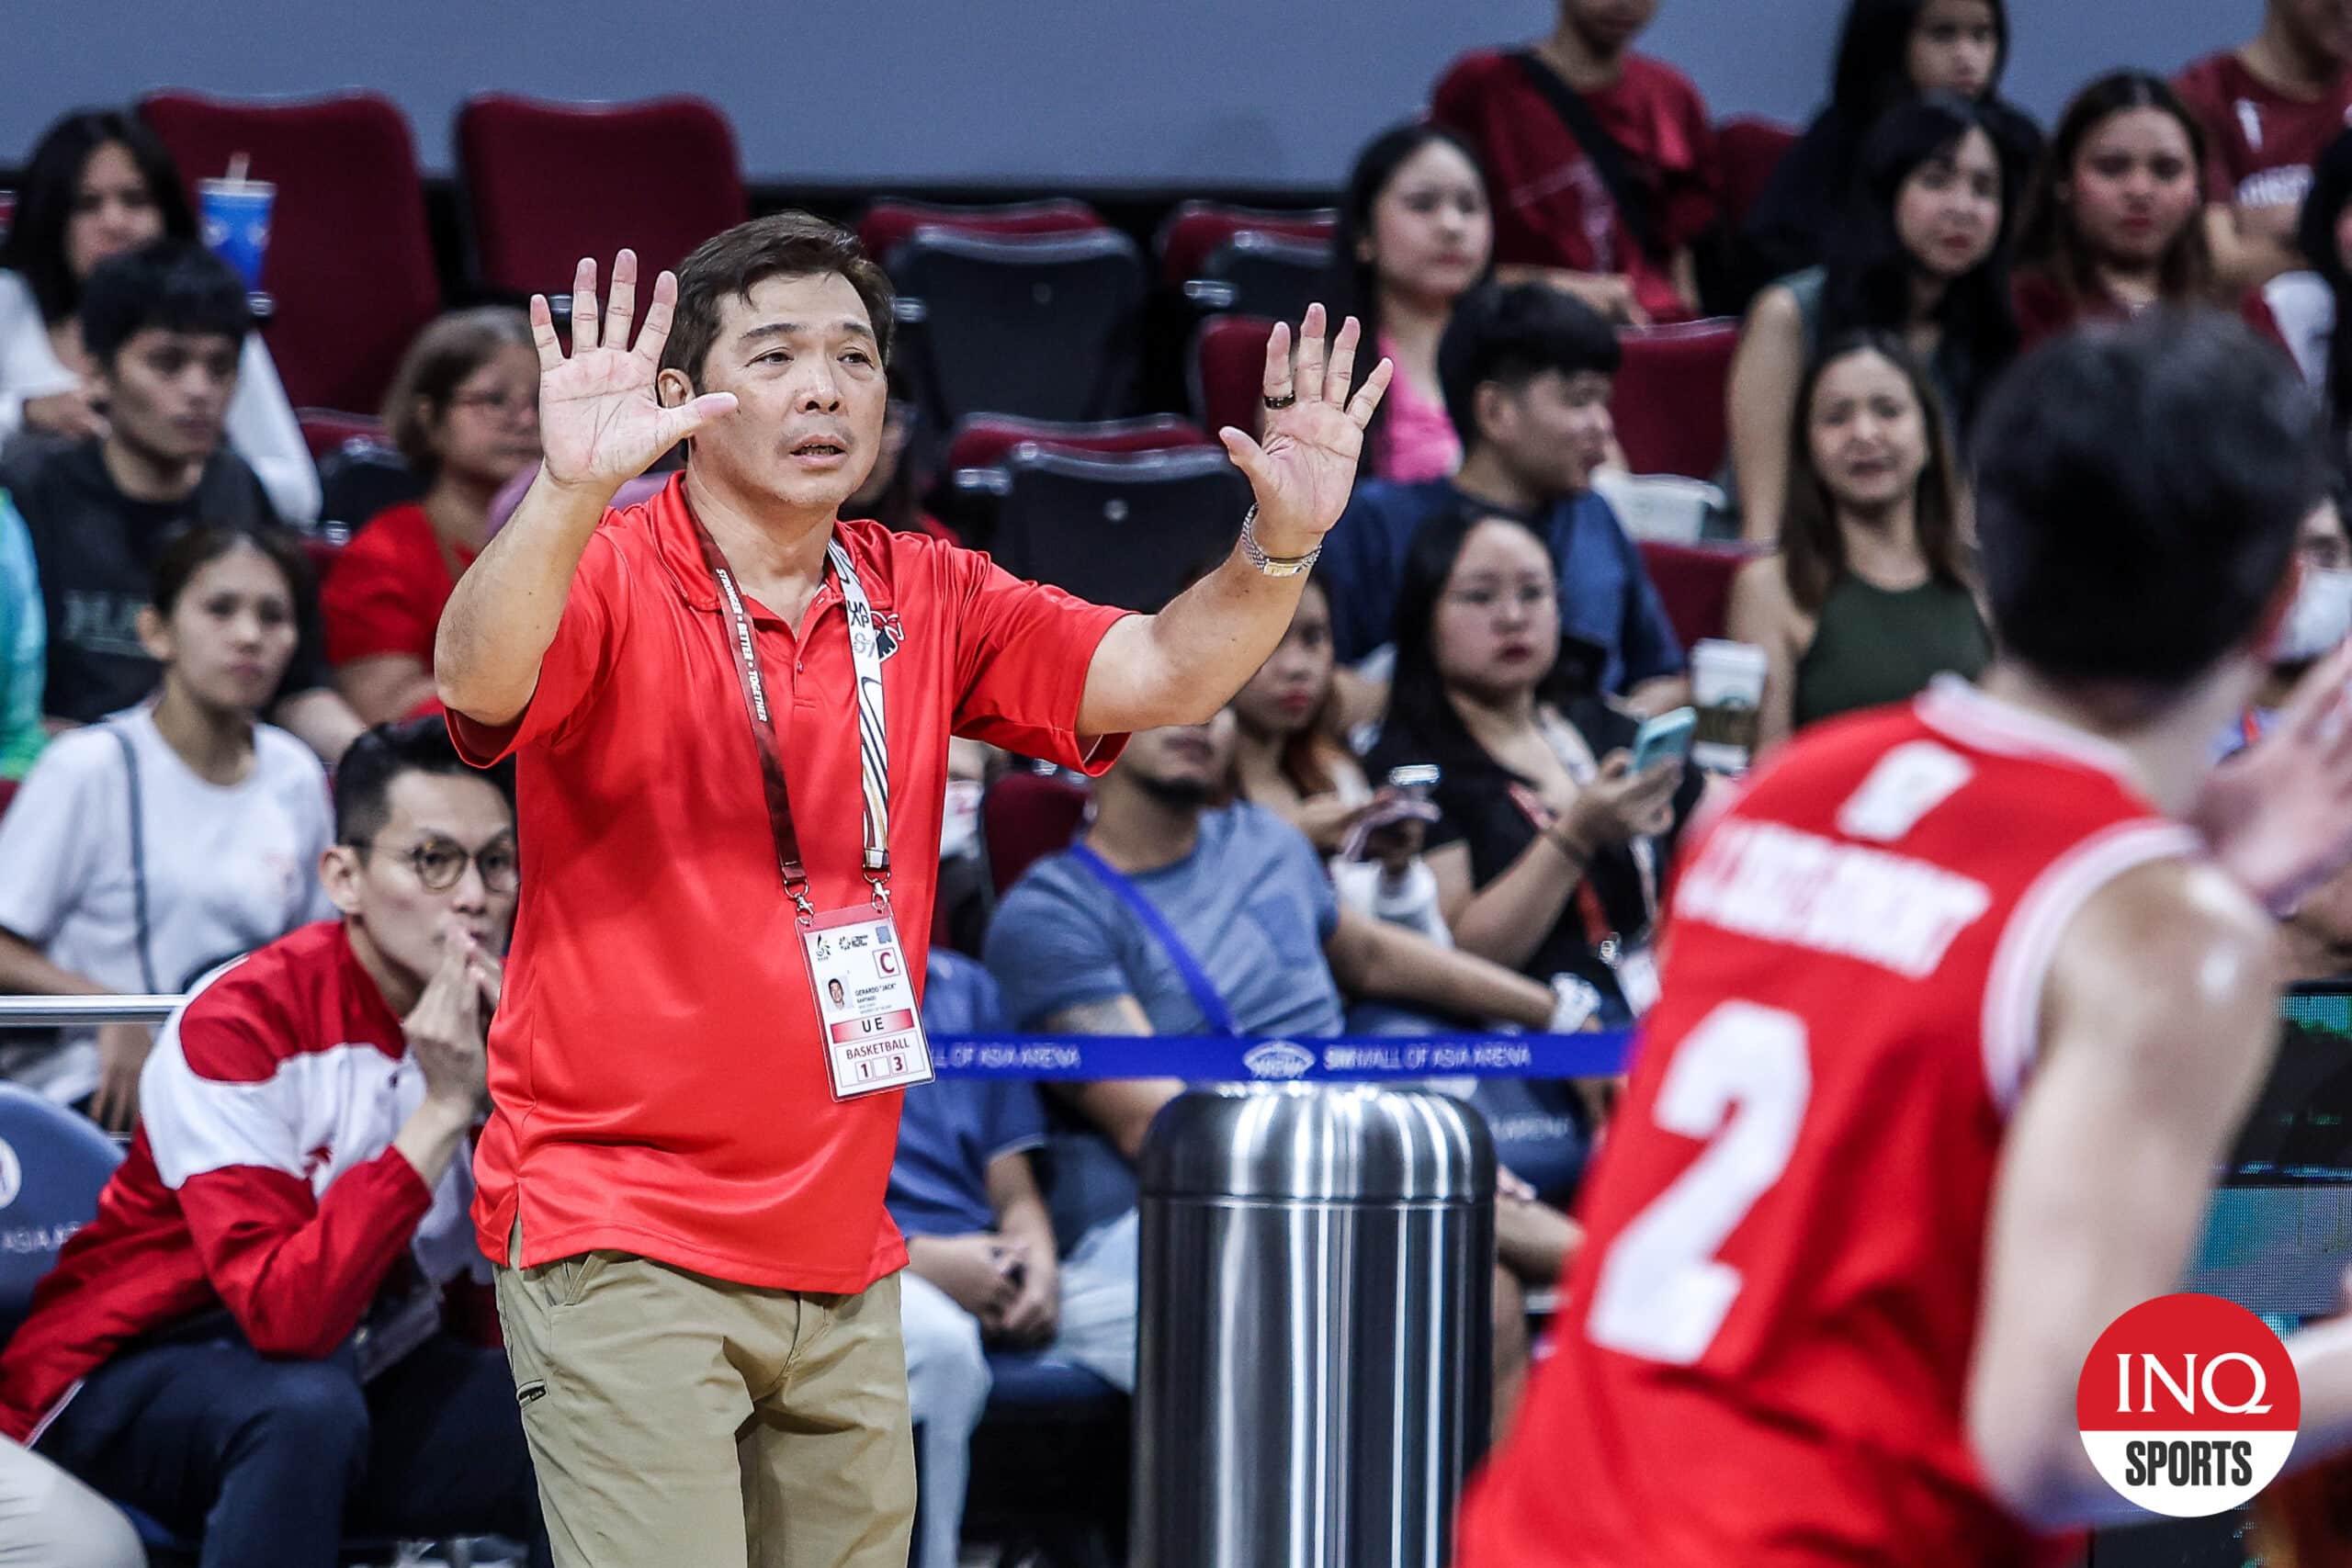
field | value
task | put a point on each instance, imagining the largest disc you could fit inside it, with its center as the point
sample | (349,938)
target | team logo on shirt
(880,631)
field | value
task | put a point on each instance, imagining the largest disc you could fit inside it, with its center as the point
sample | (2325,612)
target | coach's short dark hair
(783,244)
(174,285)
(363,780)
(2140,489)
(1511,332)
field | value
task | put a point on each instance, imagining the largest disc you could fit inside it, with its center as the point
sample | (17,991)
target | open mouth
(818,448)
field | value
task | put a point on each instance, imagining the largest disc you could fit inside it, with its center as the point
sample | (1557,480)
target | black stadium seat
(1262,274)
(1119,529)
(1041,327)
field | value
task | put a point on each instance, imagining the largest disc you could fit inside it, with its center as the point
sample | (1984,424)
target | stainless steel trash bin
(1313,1367)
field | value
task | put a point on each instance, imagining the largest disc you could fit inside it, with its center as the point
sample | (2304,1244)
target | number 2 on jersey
(1740,1081)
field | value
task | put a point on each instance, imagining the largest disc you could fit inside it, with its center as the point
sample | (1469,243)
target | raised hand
(2278,815)
(1301,470)
(601,419)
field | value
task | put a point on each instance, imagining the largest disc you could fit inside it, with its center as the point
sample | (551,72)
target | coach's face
(800,356)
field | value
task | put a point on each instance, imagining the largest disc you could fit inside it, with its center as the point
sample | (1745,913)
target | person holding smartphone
(1289,758)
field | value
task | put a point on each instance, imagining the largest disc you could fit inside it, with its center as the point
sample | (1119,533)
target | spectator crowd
(219,728)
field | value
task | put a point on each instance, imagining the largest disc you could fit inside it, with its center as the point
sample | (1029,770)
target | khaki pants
(678,1421)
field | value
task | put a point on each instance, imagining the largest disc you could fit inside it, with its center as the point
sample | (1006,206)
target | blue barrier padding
(1208,1058)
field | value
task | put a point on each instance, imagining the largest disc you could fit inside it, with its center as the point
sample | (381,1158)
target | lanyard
(873,745)
(1576,756)
(1213,1011)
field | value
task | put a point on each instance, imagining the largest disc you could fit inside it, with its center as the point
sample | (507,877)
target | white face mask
(959,824)
(2321,618)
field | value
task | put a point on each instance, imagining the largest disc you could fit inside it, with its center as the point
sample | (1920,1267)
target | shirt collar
(672,523)
(1957,709)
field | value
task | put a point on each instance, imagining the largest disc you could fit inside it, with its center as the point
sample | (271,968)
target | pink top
(1417,442)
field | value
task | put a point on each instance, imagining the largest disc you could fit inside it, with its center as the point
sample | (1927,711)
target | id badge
(865,1003)
(1638,980)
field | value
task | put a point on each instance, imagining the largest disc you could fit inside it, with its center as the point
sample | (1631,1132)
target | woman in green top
(1868,597)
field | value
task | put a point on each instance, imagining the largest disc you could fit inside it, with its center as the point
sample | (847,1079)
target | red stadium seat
(350,262)
(1228,371)
(328,430)
(664,174)
(986,440)
(1693,582)
(1024,818)
(1747,148)
(889,223)
(1196,230)
(1668,406)
(7,792)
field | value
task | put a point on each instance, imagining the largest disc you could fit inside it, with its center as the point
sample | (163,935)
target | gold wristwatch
(1273,566)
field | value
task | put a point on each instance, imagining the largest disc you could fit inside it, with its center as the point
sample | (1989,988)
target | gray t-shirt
(1251,901)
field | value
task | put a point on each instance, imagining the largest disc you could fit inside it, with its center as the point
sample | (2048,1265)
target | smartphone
(1415,779)
(1667,736)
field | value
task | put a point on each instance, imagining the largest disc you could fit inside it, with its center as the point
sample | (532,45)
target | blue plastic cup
(235,215)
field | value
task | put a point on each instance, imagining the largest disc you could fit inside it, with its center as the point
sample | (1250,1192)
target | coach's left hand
(1301,473)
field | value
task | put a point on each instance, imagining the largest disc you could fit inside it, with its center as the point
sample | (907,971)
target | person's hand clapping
(444,1029)
(1304,465)
(1621,804)
(2278,815)
(601,419)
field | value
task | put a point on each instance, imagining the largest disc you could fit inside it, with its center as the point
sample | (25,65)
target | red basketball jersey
(1764,1350)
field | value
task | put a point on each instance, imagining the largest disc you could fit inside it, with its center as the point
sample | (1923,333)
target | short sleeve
(370,610)
(51,834)
(1648,646)
(1297,854)
(1048,951)
(1022,655)
(1015,1120)
(2197,90)
(574,668)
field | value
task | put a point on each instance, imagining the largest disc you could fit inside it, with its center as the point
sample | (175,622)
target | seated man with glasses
(245,1344)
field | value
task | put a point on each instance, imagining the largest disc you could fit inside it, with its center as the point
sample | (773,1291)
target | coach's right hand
(601,422)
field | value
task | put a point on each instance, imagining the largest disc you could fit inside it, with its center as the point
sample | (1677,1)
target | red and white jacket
(263,1178)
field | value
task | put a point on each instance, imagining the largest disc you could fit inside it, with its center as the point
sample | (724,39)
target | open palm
(1301,471)
(601,419)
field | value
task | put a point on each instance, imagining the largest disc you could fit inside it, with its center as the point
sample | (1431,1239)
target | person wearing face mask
(143,849)
(1415,233)
(1527,372)
(1889,52)
(1868,598)
(246,1345)
(1916,253)
(2111,225)
(99,185)
(464,413)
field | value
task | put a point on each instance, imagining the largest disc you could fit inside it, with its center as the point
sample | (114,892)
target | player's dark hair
(2140,489)
(1511,332)
(363,780)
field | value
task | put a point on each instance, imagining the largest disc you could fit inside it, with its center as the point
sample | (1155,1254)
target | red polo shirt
(386,590)
(655,1069)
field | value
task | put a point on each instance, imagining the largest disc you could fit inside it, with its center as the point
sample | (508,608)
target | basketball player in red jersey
(1959,1014)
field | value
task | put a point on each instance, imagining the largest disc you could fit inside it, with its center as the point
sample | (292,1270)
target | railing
(1196,1058)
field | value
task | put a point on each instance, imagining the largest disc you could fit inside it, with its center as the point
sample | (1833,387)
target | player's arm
(2156,1024)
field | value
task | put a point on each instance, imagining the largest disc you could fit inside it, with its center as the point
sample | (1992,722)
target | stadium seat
(1693,582)
(664,171)
(1747,148)
(52,1165)
(1668,406)
(1024,818)
(1118,529)
(350,262)
(986,440)
(1262,274)
(1043,327)
(890,222)
(1196,228)
(328,430)
(1227,371)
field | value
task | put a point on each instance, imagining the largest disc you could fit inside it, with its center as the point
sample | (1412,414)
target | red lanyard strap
(873,750)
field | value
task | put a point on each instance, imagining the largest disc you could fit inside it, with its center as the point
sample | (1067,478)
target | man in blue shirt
(1527,372)
(1261,948)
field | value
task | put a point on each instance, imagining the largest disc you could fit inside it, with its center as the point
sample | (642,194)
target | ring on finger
(1282,402)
